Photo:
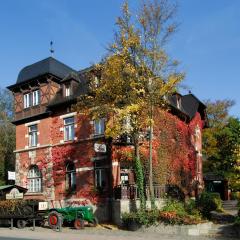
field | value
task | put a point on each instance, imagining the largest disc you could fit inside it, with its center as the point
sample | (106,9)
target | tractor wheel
(79,223)
(94,222)
(21,223)
(54,219)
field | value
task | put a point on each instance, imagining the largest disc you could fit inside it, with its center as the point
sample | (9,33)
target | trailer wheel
(79,223)
(54,219)
(21,223)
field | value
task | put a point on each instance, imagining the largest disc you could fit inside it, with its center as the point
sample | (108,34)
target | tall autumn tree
(136,77)
(7,132)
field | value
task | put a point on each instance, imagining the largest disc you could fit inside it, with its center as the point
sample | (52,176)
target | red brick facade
(59,160)
(53,153)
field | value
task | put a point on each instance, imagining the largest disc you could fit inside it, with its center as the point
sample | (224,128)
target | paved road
(6,238)
(90,234)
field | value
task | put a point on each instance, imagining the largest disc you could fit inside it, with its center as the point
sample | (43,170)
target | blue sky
(207,42)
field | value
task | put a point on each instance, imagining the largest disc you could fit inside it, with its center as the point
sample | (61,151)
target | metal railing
(131,191)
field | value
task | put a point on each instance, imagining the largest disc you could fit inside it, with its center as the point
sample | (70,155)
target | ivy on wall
(174,155)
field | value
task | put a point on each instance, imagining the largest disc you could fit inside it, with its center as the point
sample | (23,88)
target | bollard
(59,228)
(11,224)
(60,224)
(34,224)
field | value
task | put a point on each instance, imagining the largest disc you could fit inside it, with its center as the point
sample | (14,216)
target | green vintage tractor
(73,215)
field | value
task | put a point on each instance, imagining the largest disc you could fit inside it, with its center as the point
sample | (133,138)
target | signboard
(42,205)
(14,194)
(11,175)
(100,147)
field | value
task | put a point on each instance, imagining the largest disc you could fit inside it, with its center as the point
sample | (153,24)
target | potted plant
(131,221)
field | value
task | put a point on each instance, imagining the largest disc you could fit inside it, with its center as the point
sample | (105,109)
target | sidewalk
(91,234)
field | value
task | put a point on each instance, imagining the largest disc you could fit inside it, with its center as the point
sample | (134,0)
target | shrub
(235,195)
(175,206)
(175,192)
(209,202)
(141,217)
(176,212)
(152,217)
(192,208)
(169,217)
(237,220)
(128,217)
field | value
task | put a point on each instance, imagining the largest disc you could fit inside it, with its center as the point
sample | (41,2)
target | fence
(131,191)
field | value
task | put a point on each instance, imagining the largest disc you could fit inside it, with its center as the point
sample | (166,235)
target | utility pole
(151,190)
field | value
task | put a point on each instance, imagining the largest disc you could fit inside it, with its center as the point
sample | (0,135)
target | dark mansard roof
(49,65)
(188,105)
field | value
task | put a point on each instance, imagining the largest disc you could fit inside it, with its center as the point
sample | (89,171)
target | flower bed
(173,213)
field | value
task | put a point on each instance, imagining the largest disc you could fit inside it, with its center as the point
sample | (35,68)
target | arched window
(34,180)
(70,177)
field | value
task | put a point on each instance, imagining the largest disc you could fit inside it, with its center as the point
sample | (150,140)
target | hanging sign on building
(11,175)
(14,194)
(100,147)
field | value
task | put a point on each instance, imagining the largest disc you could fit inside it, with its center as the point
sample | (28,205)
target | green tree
(221,142)
(229,145)
(136,77)
(7,132)
(218,117)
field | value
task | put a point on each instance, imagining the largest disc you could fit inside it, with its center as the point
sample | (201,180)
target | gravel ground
(98,233)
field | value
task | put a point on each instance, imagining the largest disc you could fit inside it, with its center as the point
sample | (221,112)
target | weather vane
(51,48)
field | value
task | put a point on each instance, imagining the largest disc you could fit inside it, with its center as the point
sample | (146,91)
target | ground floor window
(100,178)
(70,177)
(34,180)
(124,178)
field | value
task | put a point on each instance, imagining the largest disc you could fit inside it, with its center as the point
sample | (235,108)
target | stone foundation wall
(126,205)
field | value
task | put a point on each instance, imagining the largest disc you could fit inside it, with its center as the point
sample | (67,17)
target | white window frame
(67,90)
(34,178)
(100,177)
(35,97)
(179,102)
(33,135)
(71,181)
(124,178)
(69,131)
(99,126)
(27,100)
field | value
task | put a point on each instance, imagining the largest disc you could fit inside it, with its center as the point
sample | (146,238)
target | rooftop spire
(51,48)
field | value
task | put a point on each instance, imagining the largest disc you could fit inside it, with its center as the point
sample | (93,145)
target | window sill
(67,141)
(33,193)
(97,135)
(33,147)
(35,106)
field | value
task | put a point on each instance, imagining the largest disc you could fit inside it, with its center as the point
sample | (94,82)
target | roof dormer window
(27,100)
(67,90)
(35,97)
(31,99)
(179,102)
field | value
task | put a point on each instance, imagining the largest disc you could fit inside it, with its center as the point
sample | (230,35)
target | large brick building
(62,156)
